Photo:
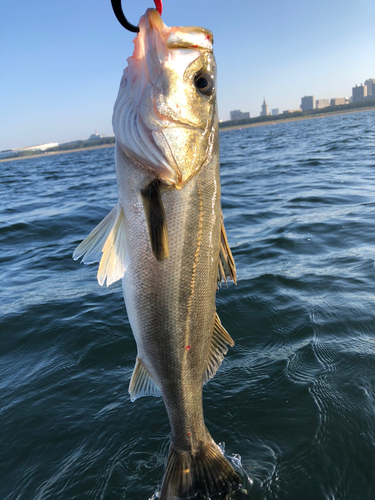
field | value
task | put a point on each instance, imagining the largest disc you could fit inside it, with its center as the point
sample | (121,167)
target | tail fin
(204,474)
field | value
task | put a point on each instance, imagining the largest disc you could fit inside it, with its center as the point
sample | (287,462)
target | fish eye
(204,83)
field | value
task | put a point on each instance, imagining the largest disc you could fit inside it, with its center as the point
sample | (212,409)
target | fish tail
(205,473)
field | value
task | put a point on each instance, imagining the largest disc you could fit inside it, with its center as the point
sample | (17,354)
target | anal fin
(141,384)
(226,265)
(106,244)
(156,220)
(218,349)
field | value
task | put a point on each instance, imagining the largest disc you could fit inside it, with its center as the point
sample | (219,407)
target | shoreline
(53,153)
(298,118)
(226,129)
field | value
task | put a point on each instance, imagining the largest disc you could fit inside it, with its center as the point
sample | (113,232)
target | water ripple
(295,397)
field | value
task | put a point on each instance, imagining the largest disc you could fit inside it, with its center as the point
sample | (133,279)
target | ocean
(294,400)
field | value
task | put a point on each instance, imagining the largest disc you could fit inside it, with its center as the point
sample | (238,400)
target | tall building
(307,102)
(336,101)
(370,84)
(275,111)
(321,103)
(237,114)
(359,93)
(264,111)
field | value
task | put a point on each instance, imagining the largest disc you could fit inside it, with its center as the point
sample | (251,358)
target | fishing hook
(117,9)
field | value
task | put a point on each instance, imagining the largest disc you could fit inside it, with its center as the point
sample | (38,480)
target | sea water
(295,397)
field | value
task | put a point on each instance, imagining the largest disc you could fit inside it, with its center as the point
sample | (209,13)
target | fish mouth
(182,37)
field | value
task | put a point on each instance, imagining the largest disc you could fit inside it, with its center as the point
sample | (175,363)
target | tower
(264,111)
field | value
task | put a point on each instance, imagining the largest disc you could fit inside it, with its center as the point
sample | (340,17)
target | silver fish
(166,240)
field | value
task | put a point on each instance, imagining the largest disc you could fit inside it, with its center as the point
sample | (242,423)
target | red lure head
(159,6)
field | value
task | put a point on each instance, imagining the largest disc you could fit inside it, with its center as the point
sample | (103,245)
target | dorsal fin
(156,220)
(226,265)
(141,384)
(106,244)
(218,349)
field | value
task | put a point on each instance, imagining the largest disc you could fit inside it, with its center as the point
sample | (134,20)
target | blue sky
(61,61)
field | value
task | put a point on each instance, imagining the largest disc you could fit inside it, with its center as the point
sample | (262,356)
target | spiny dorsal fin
(217,350)
(141,384)
(156,220)
(226,265)
(106,244)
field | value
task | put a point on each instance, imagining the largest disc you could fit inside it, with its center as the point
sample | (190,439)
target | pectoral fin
(141,384)
(226,266)
(156,220)
(106,244)
(218,349)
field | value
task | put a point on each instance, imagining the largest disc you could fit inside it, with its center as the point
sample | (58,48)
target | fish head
(165,115)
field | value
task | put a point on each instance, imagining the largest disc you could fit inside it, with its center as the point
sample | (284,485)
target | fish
(166,240)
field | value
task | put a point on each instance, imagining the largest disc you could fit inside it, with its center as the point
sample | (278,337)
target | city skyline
(359,93)
(62,63)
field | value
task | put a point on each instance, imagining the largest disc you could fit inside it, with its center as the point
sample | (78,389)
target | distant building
(359,93)
(94,137)
(307,102)
(321,103)
(291,111)
(6,152)
(39,147)
(264,111)
(370,84)
(337,101)
(237,114)
(275,111)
